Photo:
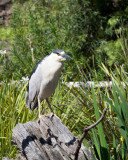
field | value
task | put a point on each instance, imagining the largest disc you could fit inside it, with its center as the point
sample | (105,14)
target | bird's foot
(39,118)
(47,116)
(40,115)
(52,114)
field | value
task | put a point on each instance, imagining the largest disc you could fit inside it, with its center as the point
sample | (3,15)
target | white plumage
(44,79)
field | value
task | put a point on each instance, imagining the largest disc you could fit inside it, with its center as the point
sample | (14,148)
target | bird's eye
(58,54)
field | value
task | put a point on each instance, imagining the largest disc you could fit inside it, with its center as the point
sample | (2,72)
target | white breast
(50,76)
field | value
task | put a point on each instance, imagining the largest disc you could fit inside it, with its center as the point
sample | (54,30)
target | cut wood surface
(48,139)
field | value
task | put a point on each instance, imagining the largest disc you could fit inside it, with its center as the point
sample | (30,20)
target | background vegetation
(95,34)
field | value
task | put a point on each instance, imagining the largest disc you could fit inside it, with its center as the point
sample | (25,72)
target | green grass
(76,108)
(12,111)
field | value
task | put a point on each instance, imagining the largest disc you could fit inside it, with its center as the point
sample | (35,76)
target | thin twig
(86,131)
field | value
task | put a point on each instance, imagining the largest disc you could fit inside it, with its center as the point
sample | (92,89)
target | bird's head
(59,55)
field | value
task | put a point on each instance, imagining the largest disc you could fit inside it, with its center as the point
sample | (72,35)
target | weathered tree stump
(48,139)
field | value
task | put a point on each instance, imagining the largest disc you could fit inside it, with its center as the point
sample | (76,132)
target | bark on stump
(48,140)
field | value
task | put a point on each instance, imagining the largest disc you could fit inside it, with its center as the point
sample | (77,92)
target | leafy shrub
(39,27)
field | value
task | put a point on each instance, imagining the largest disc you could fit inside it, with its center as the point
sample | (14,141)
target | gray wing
(33,89)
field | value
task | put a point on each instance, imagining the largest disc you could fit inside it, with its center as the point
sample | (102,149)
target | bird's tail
(32,105)
(27,100)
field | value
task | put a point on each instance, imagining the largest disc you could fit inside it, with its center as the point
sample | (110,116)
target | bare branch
(86,131)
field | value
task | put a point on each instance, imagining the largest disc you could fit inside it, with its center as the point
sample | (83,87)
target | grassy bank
(76,107)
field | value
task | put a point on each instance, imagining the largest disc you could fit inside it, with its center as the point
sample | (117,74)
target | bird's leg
(39,107)
(50,106)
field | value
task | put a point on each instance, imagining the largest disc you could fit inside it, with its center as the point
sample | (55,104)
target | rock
(4,2)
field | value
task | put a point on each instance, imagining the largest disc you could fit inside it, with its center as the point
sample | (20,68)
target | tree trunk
(48,139)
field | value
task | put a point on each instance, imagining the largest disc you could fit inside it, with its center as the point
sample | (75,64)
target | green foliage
(120,107)
(116,54)
(92,34)
(116,101)
(103,151)
(114,46)
(49,25)
(12,111)
(5,33)
(76,107)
